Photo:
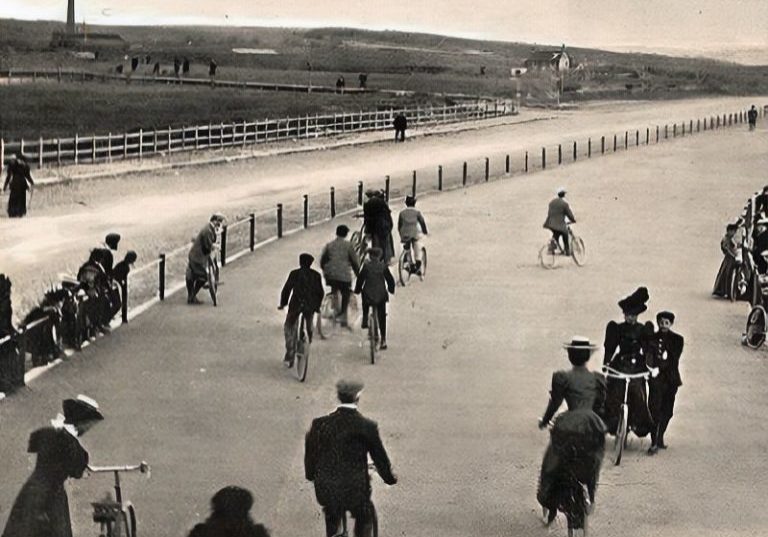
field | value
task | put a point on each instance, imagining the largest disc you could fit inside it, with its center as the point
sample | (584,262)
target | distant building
(71,38)
(554,60)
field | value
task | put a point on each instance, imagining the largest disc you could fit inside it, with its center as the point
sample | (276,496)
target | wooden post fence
(161,277)
(252,235)
(224,245)
(487,169)
(279,220)
(413,184)
(543,158)
(386,187)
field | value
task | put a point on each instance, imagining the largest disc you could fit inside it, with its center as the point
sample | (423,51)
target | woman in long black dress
(20,180)
(730,262)
(42,509)
(577,439)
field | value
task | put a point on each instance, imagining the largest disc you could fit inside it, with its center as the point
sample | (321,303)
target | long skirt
(640,421)
(41,510)
(724,275)
(17,202)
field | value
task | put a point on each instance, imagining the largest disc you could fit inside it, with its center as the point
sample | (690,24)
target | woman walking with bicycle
(577,438)
(376,283)
(42,509)
(557,212)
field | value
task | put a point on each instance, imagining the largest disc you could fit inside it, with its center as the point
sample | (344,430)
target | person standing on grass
(212,65)
(401,124)
(338,262)
(176,67)
(752,117)
(19,180)
(185,66)
(378,223)
(664,363)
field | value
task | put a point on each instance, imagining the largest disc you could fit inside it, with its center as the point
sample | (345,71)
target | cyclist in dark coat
(378,223)
(336,461)
(304,288)
(376,283)
(557,212)
(665,380)
(42,509)
(578,435)
(627,350)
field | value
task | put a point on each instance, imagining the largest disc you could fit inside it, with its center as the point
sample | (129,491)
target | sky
(679,24)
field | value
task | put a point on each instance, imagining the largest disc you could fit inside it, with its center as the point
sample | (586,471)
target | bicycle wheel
(404,267)
(547,256)
(213,280)
(578,253)
(302,350)
(621,435)
(373,333)
(325,319)
(756,324)
(423,264)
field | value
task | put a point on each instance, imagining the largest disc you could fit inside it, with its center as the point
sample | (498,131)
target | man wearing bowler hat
(338,262)
(664,363)
(336,461)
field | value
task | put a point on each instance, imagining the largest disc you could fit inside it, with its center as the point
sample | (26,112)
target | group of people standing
(577,437)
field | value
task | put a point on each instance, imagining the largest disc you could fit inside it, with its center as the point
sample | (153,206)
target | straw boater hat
(580,343)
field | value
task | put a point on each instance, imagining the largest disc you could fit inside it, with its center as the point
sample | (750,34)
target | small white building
(554,60)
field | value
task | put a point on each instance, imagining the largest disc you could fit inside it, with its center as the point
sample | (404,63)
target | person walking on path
(336,453)
(42,509)
(752,117)
(730,262)
(338,262)
(664,363)
(197,260)
(556,222)
(19,180)
(401,124)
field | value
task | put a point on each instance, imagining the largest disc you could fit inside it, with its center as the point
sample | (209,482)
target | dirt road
(199,392)
(162,209)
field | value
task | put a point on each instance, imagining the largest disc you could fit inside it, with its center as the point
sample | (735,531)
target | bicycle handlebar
(615,373)
(142,467)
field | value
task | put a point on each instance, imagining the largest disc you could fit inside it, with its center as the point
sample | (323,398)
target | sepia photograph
(401,269)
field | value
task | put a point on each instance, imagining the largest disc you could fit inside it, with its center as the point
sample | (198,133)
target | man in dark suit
(752,117)
(761,205)
(304,288)
(664,363)
(557,211)
(336,460)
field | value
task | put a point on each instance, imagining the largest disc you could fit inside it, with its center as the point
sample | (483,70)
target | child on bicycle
(410,223)
(376,283)
(304,287)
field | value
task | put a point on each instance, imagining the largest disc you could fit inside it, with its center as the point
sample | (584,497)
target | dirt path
(199,392)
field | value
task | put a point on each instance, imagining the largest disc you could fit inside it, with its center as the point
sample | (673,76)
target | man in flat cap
(336,460)
(557,212)
(664,362)
(303,293)
(197,260)
(338,262)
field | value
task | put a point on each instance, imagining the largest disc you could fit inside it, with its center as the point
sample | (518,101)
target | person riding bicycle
(376,283)
(627,348)
(409,222)
(378,223)
(577,439)
(42,508)
(557,212)
(336,453)
(338,262)
(197,264)
(304,288)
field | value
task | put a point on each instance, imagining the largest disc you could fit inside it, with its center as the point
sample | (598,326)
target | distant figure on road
(212,65)
(230,516)
(156,69)
(752,117)
(134,63)
(185,67)
(340,84)
(401,124)
(19,179)
(557,212)
(363,78)
(336,454)
(664,363)
(176,66)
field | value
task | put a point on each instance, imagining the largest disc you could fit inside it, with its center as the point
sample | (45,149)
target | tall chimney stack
(71,16)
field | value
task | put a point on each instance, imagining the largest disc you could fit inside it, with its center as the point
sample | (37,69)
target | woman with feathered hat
(577,438)
(627,346)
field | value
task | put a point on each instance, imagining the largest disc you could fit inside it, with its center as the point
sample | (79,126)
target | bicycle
(406,266)
(622,430)
(212,277)
(374,516)
(116,518)
(330,311)
(552,248)
(303,342)
(360,239)
(373,333)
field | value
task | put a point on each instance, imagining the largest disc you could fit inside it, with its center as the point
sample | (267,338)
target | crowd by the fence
(72,311)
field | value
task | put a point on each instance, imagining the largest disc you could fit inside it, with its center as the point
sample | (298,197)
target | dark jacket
(627,346)
(580,388)
(304,286)
(374,281)
(336,458)
(104,257)
(667,349)
(400,123)
(377,216)
(752,115)
(556,212)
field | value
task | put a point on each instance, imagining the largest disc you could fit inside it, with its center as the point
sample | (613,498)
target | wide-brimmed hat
(81,409)
(581,343)
(634,304)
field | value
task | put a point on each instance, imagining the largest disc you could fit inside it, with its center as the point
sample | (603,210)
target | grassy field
(422,63)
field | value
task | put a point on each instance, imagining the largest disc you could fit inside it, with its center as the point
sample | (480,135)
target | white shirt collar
(353,406)
(58,423)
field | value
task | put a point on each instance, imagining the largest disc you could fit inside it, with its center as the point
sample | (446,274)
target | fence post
(543,158)
(125,145)
(647,135)
(637,138)
(141,144)
(161,277)
(252,242)
(77,143)
(154,140)
(559,153)
(93,148)
(589,147)
(487,169)
(197,136)
(718,122)
(682,132)
(674,130)
(2,153)
(698,125)
(359,192)
(386,188)
(657,134)
(279,220)
(666,132)
(464,174)
(224,245)
(413,185)
(506,164)
(39,154)
(575,150)
(440,178)
(526,162)
(306,211)
(614,143)
(602,145)
(626,140)
(124,305)
(690,127)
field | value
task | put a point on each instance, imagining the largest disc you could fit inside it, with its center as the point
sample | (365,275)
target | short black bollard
(507,164)
(589,147)
(559,153)
(615,143)
(526,162)
(386,188)
(657,134)
(252,238)
(682,127)
(690,127)
(602,145)
(224,245)
(647,135)
(359,192)
(637,138)
(161,277)
(674,130)
(487,168)
(413,184)
(440,178)
(626,140)
(306,211)
(666,132)
(280,220)
(698,125)
(543,158)
(124,307)
(333,202)
(464,175)
(574,151)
